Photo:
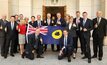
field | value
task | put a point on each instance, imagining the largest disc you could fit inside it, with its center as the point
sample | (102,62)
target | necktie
(39,23)
(65,41)
(84,22)
(98,19)
(12,25)
(48,22)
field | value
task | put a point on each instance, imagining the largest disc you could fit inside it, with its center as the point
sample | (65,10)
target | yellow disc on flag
(57,34)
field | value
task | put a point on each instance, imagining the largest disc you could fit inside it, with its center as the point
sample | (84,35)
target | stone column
(4,8)
(105,40)
(85,5)
(25,7)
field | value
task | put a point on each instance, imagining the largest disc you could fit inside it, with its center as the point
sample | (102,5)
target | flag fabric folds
(49,34)
(53,35)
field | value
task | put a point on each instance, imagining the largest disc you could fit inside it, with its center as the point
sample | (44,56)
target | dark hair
(32,16)
(65,29)
(12,16)
(21,14)
(77,11)
(84,12)
(16,15)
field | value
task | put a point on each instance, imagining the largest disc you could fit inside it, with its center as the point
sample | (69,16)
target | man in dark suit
(37,43)
(10,36)
(86,27)
(66,46)
(59,22)
(99,26)
(33,22)
(3,23)
(17,37)
(77,21)
(39,22)
(49,22)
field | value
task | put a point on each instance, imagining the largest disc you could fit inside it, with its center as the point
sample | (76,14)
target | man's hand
(5,29)
(52,22)
(84,29)
(74,25)
(60,52)
(44,21)
(58,22)
(17,27)
(1,27)
(96,26)
(41,40)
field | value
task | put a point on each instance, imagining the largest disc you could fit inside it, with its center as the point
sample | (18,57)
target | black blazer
(72,30)
(46,24)
(2,31)
(78,25)
(37,23)
(11,33)
(35,43)
(33,24)
(88,26)
(63,23)
(101,30)
(69,42)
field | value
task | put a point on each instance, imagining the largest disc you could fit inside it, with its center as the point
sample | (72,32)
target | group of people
(13,35)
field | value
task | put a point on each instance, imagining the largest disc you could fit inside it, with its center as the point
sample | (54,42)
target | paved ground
(51,59)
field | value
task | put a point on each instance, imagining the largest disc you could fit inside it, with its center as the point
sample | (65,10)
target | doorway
(53,10)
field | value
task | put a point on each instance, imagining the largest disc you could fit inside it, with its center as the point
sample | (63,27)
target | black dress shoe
(82,53)
(40,57)
(53,50)
(2,55)
(89,60)
(5,56)
(100,59)
(94,56)
(12,55)
(84,57)
(69,59)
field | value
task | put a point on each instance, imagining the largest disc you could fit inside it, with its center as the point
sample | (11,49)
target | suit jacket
(78,25)
(72,30)
(11,33)
(69,42)
(3,24)
(33,24)
(37,23)
(63,23)
(35,42)
(51,24)
(88,26)
(101,29)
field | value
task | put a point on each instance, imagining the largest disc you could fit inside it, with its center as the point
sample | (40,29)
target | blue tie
(84,22)
(65,42)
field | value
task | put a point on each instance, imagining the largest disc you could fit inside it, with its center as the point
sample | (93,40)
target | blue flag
(53,35)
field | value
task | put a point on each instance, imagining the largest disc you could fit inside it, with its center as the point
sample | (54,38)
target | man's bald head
(3,17)
(99,14)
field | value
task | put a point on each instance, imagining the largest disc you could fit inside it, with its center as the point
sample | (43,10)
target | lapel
(100,22)
(85,23)
(13,26)
(96,22)
(47,21)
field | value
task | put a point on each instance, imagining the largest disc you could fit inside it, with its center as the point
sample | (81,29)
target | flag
(31,30)
(53,35)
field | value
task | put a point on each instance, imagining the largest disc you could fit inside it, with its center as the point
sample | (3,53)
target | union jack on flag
(31,30)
